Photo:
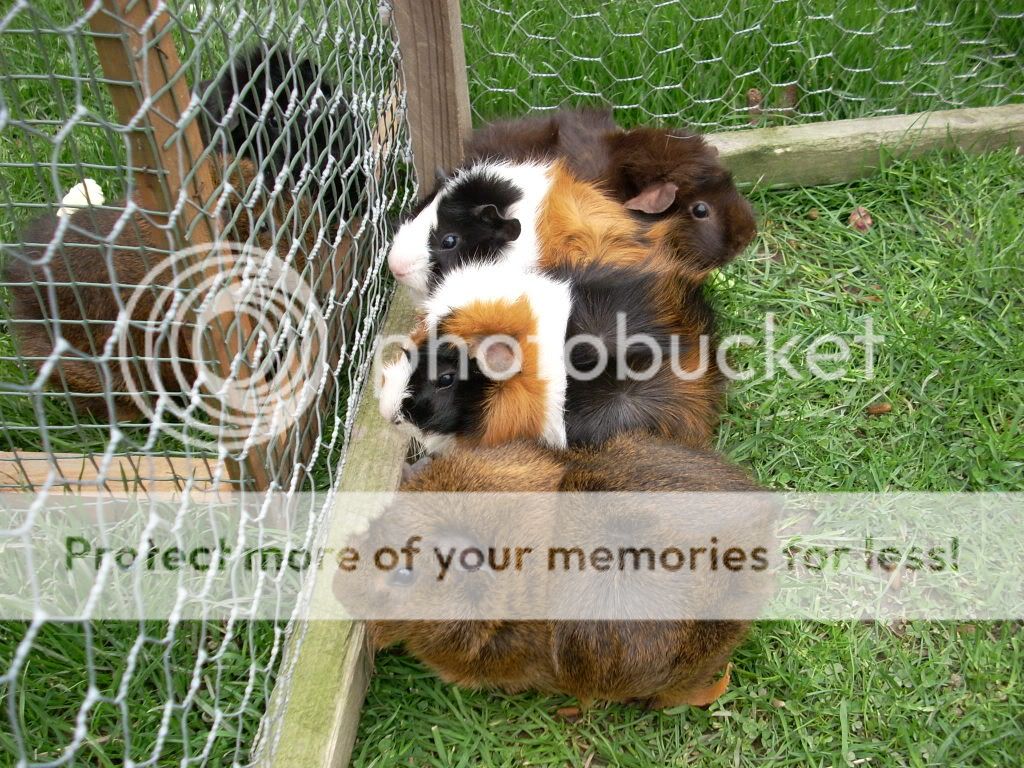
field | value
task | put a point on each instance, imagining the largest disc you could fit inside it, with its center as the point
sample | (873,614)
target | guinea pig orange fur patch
(514,409)
(579,224)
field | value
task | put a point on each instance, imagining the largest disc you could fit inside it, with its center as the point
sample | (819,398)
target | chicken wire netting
(722,64)
(303,152)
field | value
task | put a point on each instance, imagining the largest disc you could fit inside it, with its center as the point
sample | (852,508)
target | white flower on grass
(82,195)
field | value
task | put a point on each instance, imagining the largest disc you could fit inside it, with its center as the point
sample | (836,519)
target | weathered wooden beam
(130,474)
(843,150)
(314,714)
(434,69)
(296,445)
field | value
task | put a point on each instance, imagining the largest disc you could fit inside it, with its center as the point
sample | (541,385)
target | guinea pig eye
(445,380)
(402,577)
(700,210)
(449,241)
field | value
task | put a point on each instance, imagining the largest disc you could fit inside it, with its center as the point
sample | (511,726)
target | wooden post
(844,150)
(136,50)
(434,68)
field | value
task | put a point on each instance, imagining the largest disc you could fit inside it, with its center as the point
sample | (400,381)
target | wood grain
(126,475)
(314,715)
(434,70)
(844,150)
(149,91)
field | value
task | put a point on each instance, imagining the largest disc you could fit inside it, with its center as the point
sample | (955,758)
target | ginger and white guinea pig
(504,355)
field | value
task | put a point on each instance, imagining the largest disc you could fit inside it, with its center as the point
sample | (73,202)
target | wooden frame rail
(843,150)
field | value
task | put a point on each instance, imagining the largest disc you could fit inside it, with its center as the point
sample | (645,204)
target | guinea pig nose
(400,267)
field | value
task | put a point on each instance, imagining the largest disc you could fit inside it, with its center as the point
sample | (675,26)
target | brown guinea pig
(662,663)
(676,177)
(71,289)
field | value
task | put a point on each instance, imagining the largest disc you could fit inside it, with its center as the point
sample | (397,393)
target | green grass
(203,685)
(943,258)
(695,61)
(944,261)
(196,688)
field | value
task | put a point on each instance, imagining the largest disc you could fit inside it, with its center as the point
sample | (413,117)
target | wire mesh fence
(718,64)
(195,215)
(196,203)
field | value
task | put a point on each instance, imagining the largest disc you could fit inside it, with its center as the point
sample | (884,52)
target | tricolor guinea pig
(659,663)
(540,215)
(568,358)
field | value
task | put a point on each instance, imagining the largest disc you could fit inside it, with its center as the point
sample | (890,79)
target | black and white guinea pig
(505,355)
(285,115)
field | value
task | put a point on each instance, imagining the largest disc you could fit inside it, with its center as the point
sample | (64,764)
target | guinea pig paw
(705,697)
(695,697)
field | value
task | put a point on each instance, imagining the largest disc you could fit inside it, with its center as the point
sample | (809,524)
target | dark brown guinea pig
(97,262)
(661,662)
(676,177)
(576,135)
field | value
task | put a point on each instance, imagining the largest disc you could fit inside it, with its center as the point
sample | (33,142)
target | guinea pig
(569,358)
(288,117)
(541,215)
(675,178)
(669,177)
(484,213)
(661,663)
(576,135)
(74,276)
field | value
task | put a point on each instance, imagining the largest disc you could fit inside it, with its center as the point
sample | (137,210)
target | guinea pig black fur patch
(438,407)
(282,136)
(608,404)
(475,213)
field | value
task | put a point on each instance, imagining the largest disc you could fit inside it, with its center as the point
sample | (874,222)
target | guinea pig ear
(497,358)
(510,229)
(654,199)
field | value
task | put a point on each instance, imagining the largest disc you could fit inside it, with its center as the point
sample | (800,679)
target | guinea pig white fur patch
(409,257)
(394,387)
